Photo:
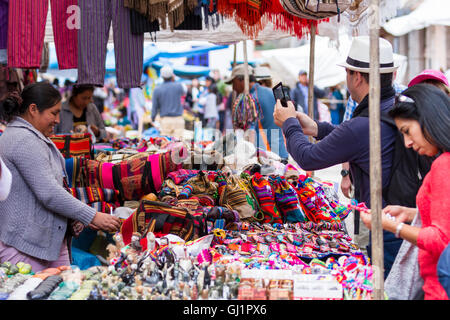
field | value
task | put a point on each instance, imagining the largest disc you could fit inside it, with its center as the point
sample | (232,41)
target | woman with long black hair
(422,114)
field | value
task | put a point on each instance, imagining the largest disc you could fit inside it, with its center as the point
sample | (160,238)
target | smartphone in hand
(281,93)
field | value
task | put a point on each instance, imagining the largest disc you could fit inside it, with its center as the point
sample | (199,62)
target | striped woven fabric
(182,175)
(133,178)
(287,200)
(160,217)
(266,199)
(75,172)
(235,198)
(91,195)
(104,207)
(72,145)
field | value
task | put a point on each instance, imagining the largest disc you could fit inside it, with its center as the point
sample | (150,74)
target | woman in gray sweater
(34,219)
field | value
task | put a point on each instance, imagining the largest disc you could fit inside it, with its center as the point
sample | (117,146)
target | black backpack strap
(357,173)
(384,116)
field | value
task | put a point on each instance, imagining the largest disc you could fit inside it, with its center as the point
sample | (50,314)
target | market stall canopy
(288,62)
(149,58)
(430,12)
(151,53)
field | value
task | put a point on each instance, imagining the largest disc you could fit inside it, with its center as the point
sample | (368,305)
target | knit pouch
(235,198)
(266,199)
(314,208)
(287,200)
(199,184)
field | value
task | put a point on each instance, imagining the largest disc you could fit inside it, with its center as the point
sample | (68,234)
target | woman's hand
(106,222)
(386,223)
(401,214)
(95,130)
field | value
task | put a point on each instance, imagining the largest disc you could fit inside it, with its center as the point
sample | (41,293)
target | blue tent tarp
(151,54)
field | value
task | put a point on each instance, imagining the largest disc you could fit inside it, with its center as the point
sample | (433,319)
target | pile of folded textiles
(209,222)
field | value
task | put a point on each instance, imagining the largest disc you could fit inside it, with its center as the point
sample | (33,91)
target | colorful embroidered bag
(72,145)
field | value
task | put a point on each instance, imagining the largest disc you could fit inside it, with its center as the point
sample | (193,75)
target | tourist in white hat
(349,141)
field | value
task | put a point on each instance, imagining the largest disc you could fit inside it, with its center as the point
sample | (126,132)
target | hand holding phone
(281,93)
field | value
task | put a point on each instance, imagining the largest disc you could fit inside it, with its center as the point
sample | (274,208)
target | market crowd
(415,122)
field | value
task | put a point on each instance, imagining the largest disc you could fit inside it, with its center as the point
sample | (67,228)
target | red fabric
(433,202)
(251,16)
(26,31)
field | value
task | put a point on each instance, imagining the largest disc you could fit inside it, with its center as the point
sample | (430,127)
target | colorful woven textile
(266,199)
(313,200)
(163,218)
(134,178)
(234,197)
(245,111)
(287,200)
(72,145)
(75,172)
(182,175)
(91,195)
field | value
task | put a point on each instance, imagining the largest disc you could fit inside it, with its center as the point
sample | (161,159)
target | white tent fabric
(355,21)
(286,63)
(430,12)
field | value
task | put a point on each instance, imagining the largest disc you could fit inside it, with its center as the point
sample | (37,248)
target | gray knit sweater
(33,219)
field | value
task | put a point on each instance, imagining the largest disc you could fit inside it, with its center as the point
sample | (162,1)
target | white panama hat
(359,56)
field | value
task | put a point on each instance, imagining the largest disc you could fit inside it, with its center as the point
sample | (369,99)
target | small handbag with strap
(235,198)
(155,216)
(72,145)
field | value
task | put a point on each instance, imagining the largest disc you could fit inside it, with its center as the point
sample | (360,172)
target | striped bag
(72,145)
(234,197)
(133,178)
(162,218)
(102,200)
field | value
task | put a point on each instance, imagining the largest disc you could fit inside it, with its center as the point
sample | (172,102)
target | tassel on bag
(244,111)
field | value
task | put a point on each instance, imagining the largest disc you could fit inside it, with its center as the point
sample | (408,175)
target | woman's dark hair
(431,108)
(43,94)
(80,88)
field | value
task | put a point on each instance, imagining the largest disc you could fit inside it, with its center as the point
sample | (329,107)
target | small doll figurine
(151,241)
(119,241)
(113,251)
(135,242)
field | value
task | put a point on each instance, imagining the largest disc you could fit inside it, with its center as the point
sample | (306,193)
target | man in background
(299,94)
(167,102)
